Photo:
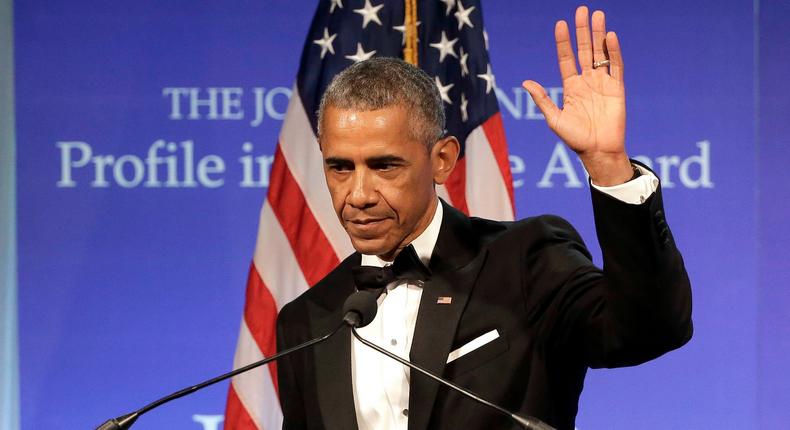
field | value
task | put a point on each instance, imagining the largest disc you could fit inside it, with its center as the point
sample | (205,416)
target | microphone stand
(529,423)
(125,421)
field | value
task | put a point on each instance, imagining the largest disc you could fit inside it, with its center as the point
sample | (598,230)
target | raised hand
(592,119)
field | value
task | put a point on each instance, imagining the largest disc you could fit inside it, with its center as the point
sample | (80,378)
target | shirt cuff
(633,192)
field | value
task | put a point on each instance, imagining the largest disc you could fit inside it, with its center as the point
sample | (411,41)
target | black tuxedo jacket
(533,280)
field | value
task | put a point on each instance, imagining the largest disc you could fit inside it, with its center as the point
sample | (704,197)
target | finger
(565,56)
(542,101)
(598,38)
(583,43)
(615,56)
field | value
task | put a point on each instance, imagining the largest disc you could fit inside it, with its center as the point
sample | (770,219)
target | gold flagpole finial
(410,50)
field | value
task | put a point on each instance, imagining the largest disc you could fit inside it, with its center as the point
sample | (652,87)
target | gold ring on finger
(597,64)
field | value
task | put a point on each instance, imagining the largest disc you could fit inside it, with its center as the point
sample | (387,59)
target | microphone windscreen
(364,304)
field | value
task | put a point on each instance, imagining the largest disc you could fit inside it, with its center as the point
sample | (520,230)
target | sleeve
(635,191)
(636,308)
(291,400)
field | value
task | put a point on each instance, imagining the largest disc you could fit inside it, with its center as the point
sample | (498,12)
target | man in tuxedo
(515,312)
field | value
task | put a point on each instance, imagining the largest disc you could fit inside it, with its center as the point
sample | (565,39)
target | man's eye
(340,168)
(384,166)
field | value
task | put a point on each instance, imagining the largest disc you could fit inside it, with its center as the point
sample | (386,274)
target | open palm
(592,119)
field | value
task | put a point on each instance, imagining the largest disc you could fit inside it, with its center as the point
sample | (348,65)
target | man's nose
(363,193)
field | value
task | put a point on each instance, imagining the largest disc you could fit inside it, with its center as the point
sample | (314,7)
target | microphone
(124,422)
(360,309)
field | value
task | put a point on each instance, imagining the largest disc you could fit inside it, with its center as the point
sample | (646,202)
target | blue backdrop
(131,284)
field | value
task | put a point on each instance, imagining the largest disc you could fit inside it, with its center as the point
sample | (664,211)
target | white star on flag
(485,38)
(489,78)
(338,3)
(450,4)
(402,29)
(326,42)
(464,67)
(361,55)
(464,103)
(369,13)
(443,90)
(445,47)
(462,15)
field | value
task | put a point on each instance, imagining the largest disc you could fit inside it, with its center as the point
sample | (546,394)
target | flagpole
(410,50)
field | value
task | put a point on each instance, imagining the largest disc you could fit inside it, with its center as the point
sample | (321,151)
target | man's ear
(444,155)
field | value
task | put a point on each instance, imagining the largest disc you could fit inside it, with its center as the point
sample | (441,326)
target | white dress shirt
(634,192)
(380,384)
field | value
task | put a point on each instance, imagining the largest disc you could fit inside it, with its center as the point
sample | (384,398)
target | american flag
(299,238)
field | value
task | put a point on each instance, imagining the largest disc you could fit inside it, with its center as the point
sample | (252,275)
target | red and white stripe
(300,240)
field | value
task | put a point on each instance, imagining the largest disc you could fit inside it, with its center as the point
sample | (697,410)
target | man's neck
(424,242)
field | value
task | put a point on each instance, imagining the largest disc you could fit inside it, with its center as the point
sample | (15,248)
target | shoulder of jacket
(491,231)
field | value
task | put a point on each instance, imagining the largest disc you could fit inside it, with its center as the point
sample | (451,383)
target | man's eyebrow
(336,160)
(383,159)
(386,159)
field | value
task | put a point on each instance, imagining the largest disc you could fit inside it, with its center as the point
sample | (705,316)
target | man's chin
(376,246)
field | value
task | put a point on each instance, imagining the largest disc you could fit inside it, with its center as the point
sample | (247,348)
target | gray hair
(383,82)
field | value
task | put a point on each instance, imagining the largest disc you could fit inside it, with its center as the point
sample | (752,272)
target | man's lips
(365,227)
(366,221)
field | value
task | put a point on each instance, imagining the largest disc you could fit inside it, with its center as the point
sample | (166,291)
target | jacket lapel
(455,264)
(332,358)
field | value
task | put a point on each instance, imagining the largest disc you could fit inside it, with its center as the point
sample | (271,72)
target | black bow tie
(407,265)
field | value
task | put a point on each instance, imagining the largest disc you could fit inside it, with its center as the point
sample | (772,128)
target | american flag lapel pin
(444,300)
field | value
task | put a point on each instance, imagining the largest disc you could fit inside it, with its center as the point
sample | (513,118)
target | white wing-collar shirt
(381,384)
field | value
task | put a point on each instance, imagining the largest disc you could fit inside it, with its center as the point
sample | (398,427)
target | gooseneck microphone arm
(125,421)
(358,310)
(526,422)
